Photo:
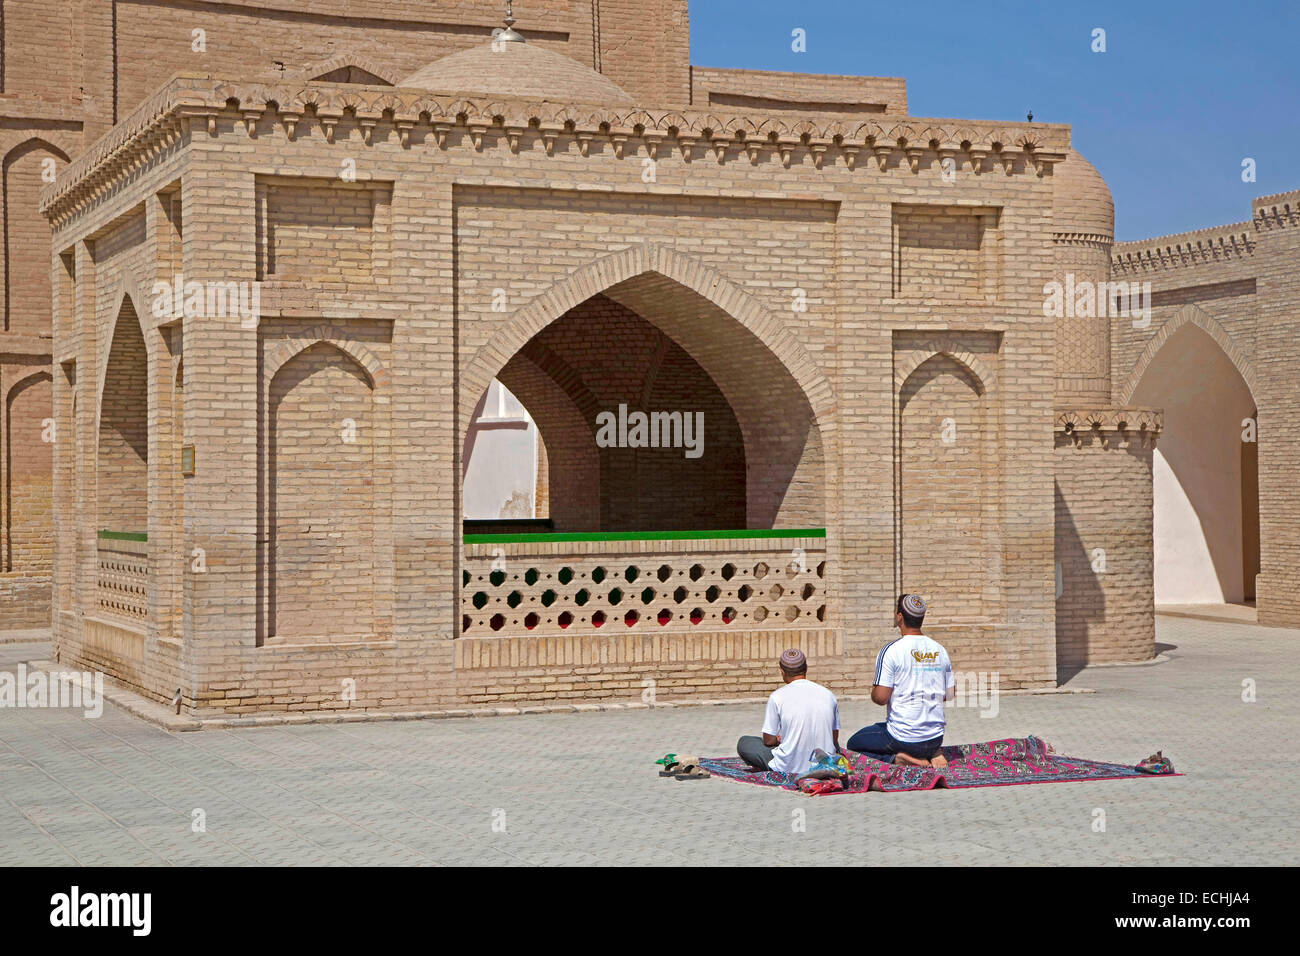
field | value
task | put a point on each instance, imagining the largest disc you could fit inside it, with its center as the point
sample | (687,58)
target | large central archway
(708,511)
(684,327)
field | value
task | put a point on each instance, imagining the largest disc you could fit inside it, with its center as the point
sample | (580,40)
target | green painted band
(124,535)
(561,536)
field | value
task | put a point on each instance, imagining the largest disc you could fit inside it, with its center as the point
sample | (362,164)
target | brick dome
(1081,199)
(515,68)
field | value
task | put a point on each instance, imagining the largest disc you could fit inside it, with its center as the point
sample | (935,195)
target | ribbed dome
(514,68)
(1081,199)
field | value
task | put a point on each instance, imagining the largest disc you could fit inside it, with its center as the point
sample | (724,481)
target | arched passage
(1204,470)
(122,459)
(650,331)
(585,379)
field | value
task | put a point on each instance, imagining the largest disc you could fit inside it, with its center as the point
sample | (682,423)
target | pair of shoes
(681,767)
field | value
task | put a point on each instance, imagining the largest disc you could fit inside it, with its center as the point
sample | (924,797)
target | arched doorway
(122,460)
(685,472)
(122,475)
(1205,472)
(637,435)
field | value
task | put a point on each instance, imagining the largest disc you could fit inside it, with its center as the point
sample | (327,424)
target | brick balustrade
(578,584)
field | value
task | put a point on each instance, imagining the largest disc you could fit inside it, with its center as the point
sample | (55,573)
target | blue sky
(1184,92)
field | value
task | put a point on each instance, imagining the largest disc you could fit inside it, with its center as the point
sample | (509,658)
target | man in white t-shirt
(801,717)
(913,679)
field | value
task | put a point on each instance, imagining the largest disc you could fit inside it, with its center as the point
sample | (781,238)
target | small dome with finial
(511,66)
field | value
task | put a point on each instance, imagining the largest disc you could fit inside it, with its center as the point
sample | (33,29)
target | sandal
(675,766)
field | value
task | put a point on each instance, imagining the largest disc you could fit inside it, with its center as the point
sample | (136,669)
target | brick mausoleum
(251,490)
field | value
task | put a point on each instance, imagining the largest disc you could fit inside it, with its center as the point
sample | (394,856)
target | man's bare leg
(939,761)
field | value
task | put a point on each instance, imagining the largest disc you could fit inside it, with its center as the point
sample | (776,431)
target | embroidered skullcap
(793,659)
(913,605)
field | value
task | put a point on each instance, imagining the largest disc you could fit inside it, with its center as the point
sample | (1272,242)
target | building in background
(250,509)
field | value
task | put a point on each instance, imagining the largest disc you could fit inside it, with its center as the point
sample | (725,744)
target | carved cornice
(1221,244)
(1279,211)
(1078,420)
(198,101)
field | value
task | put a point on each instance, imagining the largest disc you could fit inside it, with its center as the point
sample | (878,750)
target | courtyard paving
(581,789)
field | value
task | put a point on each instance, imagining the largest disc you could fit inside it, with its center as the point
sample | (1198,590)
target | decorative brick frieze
(1075,421)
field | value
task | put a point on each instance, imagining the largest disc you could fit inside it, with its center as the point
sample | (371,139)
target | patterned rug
(995,763)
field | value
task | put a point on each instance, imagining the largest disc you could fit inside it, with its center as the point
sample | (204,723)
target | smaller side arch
(1208,324)
(915,358)
(14,517)
(280,353)
(25,383)
(350,65)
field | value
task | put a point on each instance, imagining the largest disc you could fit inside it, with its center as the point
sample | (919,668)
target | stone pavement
(581,789)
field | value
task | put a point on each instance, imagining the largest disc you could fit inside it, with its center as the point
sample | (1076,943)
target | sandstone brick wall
(26,452)
(1083,349)
(26,440)
(798,334)
(322,460)
(302,223)
(1277,344)
(70,69)
(946,464)
(39,39)
(947,253)
(1105,608)
(802,92)
(645,47)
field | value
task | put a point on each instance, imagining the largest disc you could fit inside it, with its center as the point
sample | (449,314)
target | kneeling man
(801,717)
(913,679)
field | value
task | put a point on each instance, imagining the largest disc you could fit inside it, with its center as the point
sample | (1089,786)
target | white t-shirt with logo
(803,714)
(920,673)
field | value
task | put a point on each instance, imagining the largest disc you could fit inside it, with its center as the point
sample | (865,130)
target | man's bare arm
(771,740)
(880,695)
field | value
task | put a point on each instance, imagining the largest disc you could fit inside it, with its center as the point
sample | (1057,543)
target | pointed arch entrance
(709,510)
(763,377)
(1205,467)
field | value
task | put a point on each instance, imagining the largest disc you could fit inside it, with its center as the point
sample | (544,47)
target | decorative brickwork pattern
(673,586)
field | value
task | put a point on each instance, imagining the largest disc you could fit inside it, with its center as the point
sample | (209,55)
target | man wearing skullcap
(913,679)
(802,716)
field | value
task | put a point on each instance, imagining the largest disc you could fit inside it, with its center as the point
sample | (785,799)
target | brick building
(294,246)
